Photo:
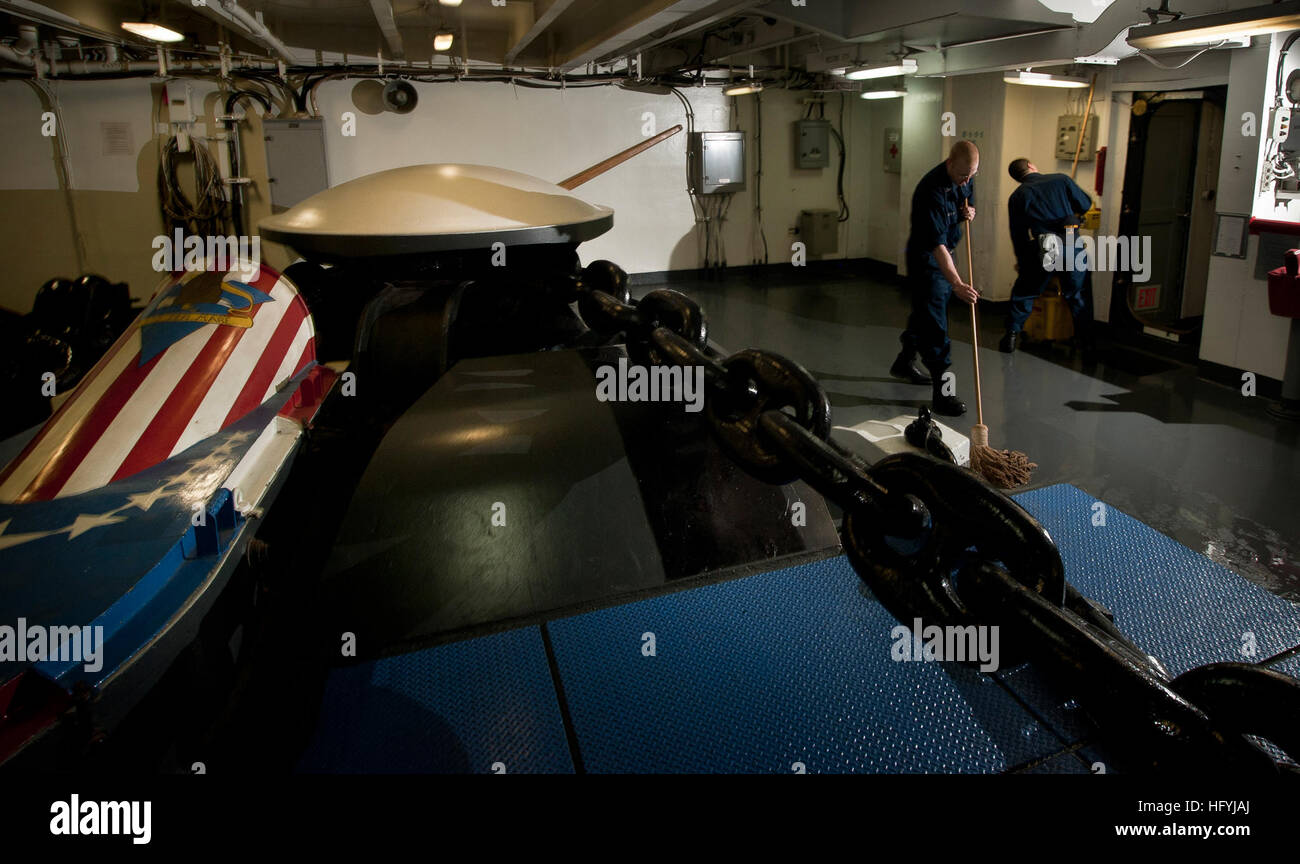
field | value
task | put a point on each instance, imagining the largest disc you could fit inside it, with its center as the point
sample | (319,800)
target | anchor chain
(934,541)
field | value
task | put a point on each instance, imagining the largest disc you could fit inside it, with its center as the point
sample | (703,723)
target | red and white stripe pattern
(125,417)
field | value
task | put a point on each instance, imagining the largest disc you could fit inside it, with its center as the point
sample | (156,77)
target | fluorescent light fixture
(442,41)
(149,30)
(743,88)
(1042,79)
(893,93)
(902,67)
(1213,28)
(449,2)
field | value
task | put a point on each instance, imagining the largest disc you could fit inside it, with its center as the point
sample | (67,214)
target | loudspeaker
(399,97)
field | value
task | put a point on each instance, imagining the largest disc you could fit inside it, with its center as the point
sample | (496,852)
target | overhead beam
(231,14)
(683,29)
(553,10)
(1050,48)
(642,27)
(388,26)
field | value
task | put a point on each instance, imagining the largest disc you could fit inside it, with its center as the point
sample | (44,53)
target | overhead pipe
(257,28)
(98,67)
(231,13)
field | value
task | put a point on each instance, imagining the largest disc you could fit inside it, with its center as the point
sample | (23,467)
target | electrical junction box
(180,99)
(295,160)
(717,162)
(812,143)
(819,230)
(1067,137)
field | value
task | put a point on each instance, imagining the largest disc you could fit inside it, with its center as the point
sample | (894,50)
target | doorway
(1170,182)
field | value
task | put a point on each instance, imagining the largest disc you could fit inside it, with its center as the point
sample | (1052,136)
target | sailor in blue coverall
(943,200)
(1047,204)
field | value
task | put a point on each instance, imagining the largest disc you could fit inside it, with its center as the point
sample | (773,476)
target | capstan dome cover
(434,208)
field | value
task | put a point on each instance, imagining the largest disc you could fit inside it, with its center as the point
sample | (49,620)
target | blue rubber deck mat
(788,671)
(777,673)
(485,705)
(1174,603)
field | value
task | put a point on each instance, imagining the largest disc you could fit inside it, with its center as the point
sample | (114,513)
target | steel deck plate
(1172,601)
(457,708)
(759,674)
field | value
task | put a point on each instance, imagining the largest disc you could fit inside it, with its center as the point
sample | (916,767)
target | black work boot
(949,406)
(1009,342)
(907,365)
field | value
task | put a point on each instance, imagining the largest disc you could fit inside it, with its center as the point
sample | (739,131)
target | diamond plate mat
(486,705)
(788,671)
(1173,602)
(781,672)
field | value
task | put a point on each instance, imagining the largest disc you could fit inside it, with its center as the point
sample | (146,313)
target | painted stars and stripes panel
(209,348)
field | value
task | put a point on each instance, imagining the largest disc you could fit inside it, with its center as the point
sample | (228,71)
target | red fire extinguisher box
(1284,287)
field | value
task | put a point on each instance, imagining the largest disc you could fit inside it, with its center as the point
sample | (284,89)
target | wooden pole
(974,328)
(1083,130)
(617,159)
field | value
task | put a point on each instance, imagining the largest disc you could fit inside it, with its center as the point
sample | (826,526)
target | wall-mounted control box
(812,143)
(717,162)
(1067,137)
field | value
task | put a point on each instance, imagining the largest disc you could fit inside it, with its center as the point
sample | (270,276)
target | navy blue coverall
(1044,204)
(936,218)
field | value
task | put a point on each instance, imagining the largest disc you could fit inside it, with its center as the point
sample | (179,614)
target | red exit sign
(1148,297)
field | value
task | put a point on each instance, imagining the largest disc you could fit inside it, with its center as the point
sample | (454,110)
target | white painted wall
(1238,329)
(884,190)
(978,103)
(923,147)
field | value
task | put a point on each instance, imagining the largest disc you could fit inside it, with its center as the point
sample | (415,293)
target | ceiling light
(449,2)
(442,40)
(900,67)
(149,30)
(1042,79)
(892,93)
(1213,28)
(745,86)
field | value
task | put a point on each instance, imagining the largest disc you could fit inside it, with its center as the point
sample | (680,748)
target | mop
(1006,469)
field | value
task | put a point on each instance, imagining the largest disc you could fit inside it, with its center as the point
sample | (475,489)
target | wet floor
(1195,460)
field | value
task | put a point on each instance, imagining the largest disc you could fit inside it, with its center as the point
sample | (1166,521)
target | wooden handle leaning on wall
(617,159)
(1083,130)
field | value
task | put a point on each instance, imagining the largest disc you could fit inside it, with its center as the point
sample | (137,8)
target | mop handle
(974,327)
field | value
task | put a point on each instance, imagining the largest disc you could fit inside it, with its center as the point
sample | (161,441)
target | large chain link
(934,541)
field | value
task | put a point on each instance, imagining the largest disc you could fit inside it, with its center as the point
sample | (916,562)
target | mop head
(1005,469)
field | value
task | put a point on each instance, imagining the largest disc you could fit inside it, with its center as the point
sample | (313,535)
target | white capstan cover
(437,207)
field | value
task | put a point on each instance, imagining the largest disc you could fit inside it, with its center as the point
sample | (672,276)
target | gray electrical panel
(295,160)
(820,231)
(812,143)
(1067,137)
(717,161)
